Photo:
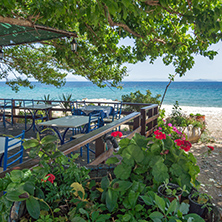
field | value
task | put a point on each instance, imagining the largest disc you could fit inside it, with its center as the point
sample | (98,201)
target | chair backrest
(76,105)
(95,121)
(117,110)
(12,143)
(78,112)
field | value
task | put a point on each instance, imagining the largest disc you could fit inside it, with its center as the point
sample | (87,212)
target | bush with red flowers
(155,159)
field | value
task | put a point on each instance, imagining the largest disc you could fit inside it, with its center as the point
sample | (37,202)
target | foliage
(175,31)
(47,98)
(35,187)
(152,161)
(67,98)
(171,190)
(59,190)
(138,97)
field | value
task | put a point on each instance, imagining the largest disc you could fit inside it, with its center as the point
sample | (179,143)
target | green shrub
(138,97)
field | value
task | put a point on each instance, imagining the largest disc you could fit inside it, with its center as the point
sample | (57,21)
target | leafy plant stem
(46,204)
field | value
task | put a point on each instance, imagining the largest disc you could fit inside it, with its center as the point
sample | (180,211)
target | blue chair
(114,114)
(95,121)
(12,143)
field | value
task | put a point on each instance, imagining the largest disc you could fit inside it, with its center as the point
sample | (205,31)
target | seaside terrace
(17,116)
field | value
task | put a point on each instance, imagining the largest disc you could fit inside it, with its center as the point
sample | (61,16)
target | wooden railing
(143,122)
(149,119)
(16,106)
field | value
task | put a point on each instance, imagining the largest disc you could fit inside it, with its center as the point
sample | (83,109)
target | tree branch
(15,21)
(126,27)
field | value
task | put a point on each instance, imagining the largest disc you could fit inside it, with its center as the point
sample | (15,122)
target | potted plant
(199,202)
(200,117)
(170,191)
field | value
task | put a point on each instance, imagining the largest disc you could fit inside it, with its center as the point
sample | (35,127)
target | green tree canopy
(171,29)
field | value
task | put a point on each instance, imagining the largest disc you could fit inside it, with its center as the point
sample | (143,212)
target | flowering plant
(153,160)
(50,177)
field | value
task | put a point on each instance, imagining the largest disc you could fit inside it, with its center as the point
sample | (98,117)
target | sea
(198,94)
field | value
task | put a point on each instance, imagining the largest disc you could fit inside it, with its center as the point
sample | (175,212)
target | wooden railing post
(50,111)
(13,111)
(100,147)
(143,122)
(136,123)
(150,124)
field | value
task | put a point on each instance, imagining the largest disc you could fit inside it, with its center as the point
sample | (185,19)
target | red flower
(179,142)
(51,178)
(183,144)
(159,135)
(211,147)
(117,133)
(166,151)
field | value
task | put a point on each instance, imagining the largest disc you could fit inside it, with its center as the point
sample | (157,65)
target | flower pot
(195,207)
(200,118)
(161,191)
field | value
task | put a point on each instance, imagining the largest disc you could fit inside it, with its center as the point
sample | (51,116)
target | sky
(203,69)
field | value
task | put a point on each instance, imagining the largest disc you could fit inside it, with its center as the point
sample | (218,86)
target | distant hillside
(204,80)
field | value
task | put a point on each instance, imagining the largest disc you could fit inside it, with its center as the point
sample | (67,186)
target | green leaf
(56,210)
(160,172)
(156,216)
(30,143)
(16,176)
(147,200)
(29,187)
(112,160)
(95,215)
(56,154)
(84,212)
(138,207)
(168,143)
(132,198)
(196,217)
(33,207)
(17,195)
(105,183)
(111,199)
(49,139)
(77,219)
(172,207)
(160,203)
(123,171)
(155,148)
(176,169)
(140,140)
(126,217)
(184,208)
(136,152)
(122,185)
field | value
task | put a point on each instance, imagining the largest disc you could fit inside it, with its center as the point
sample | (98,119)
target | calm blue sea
(208,94)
